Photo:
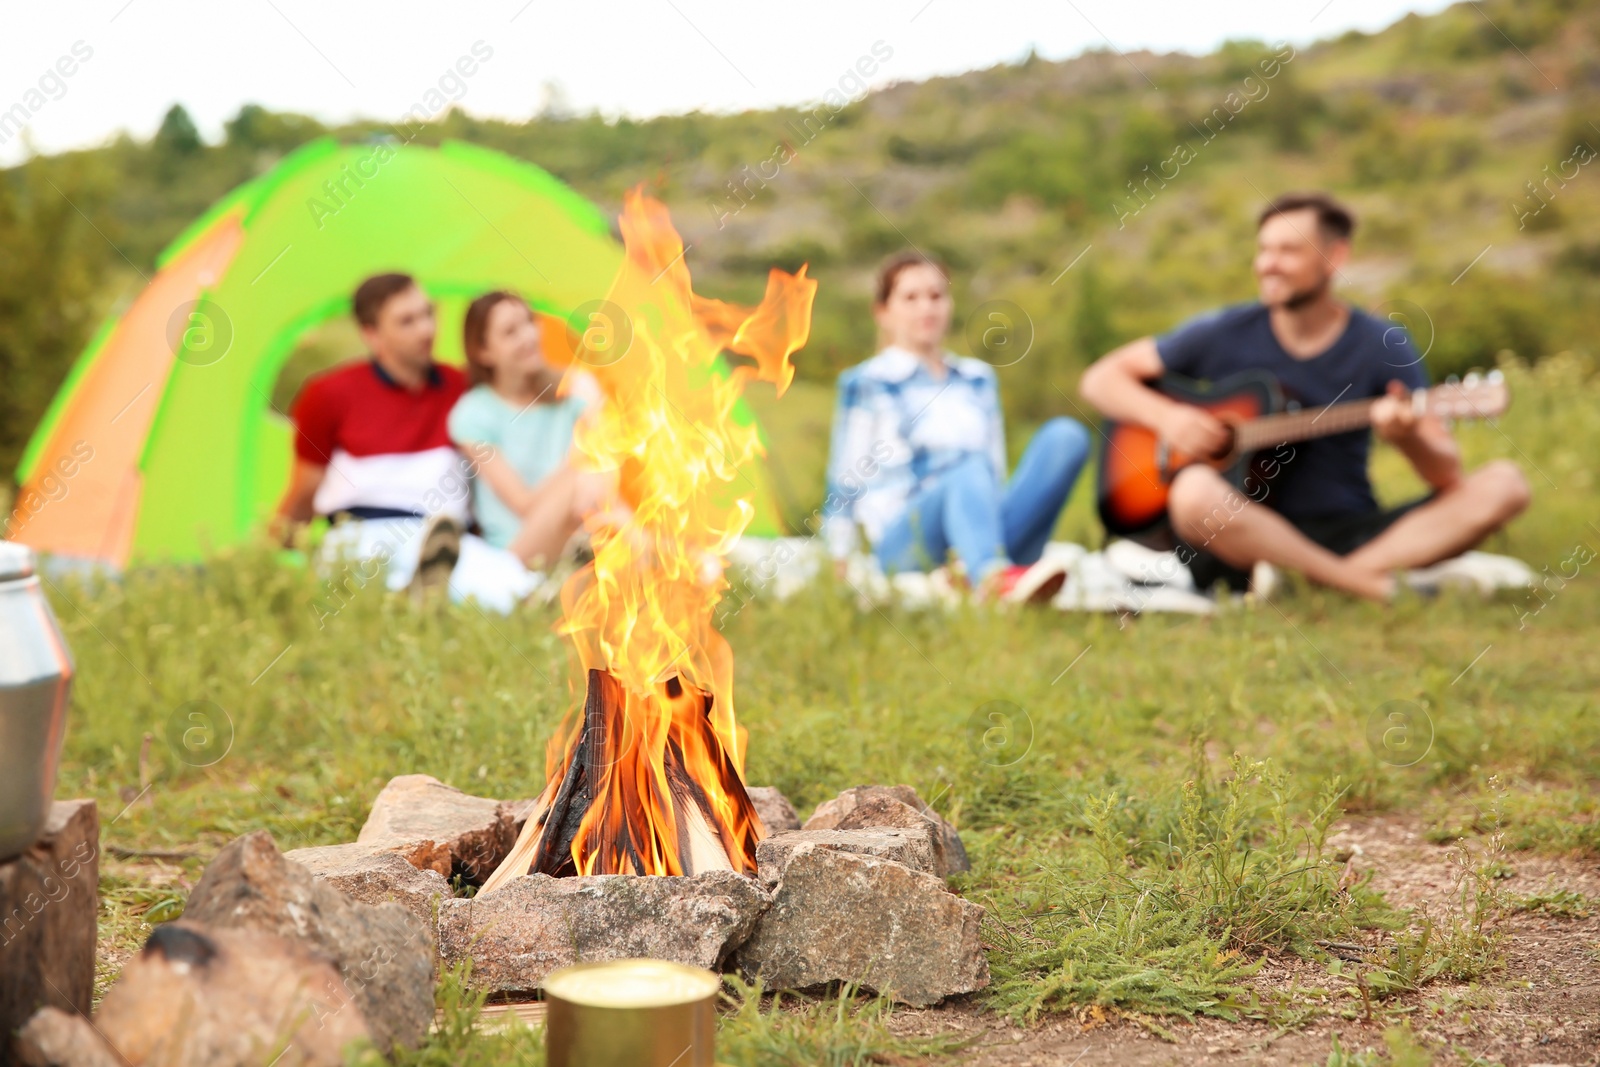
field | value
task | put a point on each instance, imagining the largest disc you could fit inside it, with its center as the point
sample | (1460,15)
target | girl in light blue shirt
(516,428)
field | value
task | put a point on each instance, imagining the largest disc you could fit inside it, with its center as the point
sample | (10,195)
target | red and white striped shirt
(387,448)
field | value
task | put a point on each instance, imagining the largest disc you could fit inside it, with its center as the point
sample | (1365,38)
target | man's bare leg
(1452,522)
(1210,514)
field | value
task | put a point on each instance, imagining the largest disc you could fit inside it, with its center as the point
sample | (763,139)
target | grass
(838,1031)
(1164,910)
(754,1031)
(1159,822)
(1400,1049)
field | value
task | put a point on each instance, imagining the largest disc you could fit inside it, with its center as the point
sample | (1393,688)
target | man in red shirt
(372,445)
(370,437)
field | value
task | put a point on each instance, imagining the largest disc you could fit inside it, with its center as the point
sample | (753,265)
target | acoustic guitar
(1137,467)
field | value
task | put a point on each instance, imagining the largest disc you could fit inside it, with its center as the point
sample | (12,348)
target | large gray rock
(868,807)
(375,877)
(438,827)
(385,953)
(913,848)
(202,997)
(535,924)
(844,917)
(774,808)
(49,903)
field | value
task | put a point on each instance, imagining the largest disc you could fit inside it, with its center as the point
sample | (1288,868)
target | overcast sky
(339,60)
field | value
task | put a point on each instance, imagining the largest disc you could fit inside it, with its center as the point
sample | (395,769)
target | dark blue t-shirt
(1328,475)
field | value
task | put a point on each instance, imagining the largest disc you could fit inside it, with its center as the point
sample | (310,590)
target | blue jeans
(989,525)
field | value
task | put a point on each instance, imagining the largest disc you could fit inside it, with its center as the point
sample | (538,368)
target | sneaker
(1167,600)
(1147,566)
(1035,584)
(1482,572)
(441,548)
(935,588)
(1266,581)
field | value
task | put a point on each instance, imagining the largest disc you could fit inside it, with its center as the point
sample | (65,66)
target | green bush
(1389,153)
(1480,317)
(1060,170)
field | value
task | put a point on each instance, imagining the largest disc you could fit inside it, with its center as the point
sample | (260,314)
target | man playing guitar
(1315,511)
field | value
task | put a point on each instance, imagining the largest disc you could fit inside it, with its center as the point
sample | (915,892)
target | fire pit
(857,895)
(645,841)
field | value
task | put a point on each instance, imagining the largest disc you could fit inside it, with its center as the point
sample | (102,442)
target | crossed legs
(1209,513)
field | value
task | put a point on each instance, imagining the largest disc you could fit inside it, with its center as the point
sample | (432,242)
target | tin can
(631,1013)
(35,683)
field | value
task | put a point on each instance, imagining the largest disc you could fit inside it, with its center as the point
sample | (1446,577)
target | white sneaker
(1085,593)
(1265,581)
(1095,585)
(925,589)
(1147,566)
(1481,571)
(1168,599)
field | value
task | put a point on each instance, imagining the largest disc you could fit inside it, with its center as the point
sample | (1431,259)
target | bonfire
(647,775)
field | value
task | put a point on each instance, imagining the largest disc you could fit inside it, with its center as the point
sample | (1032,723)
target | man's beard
(1305,297)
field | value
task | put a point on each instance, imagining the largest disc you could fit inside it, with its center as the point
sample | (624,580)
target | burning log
(618,810)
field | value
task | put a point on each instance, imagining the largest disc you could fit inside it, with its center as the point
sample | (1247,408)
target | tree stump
(49,904)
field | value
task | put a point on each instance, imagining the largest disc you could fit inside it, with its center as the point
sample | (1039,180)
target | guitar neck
(1290,426)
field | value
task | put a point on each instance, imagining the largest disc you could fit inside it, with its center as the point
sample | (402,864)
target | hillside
(1463,139)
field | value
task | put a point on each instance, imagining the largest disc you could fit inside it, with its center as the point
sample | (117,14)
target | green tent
(164,434)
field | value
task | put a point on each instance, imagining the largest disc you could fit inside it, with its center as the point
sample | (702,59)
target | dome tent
(162,442)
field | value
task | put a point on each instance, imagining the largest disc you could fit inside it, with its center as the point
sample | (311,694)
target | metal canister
(35,683)
(631,1013)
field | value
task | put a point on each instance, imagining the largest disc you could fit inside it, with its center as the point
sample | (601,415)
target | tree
(52,265)
(1287,112)
(255,128)
(178,135)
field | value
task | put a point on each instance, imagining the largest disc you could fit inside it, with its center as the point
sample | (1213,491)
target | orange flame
(642,612)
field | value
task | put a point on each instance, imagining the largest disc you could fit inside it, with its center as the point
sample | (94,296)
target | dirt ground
(1542,1008)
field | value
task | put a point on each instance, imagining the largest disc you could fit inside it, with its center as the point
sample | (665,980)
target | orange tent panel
(81,497)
